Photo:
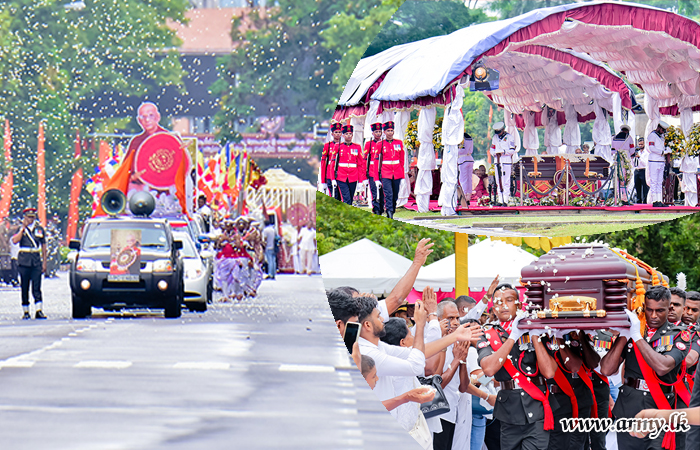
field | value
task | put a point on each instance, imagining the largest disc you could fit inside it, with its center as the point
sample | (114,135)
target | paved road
(265,373)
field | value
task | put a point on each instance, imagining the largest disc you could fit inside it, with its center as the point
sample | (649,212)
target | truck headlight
(162,265)
(86,265)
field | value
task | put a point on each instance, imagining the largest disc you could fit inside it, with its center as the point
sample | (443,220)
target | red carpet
(411,205)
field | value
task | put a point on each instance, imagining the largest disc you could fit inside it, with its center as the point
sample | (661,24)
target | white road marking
(16,363)
(305,368)
(202,365)
(96,364)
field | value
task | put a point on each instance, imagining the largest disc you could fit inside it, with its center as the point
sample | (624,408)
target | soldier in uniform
(652,365)
(503,149)
(521,364)
(465,167)
(659,158)
(622,150)
(348,161)
(328,160)
(568,388)
(391,169)
(602,340)
(690,318)
(373,149)
(31,261)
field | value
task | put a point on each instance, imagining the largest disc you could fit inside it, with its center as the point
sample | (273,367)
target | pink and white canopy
(548,56)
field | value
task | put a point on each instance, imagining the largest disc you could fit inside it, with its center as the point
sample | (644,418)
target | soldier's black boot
(26,316)
(39,315)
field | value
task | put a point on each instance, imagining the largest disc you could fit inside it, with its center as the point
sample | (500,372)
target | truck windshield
(99,234)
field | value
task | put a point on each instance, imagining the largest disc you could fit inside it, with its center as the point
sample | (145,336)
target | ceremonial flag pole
(6,188)
(76,186)
(41,177)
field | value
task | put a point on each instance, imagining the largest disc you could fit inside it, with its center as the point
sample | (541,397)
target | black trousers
(640,185)
(391,193)
(335,195)
(524,437)
(30,275)
(347,191)
(443,441)
(377,197)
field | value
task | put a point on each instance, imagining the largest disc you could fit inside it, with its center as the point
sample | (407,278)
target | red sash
(586,378)
(691,381)
(660,399)
(531,389)
(681,388)
(565,386)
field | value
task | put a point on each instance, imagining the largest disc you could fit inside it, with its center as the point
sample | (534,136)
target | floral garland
(626,167)
(675,141)
(692,143)
(410,141)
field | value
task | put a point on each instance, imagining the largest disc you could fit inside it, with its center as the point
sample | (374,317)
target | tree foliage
(287,62)
(52,58)
(416,20)
(670,247)
(339,225)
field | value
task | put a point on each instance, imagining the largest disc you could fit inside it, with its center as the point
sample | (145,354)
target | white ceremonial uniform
(506,148)
(689,184)
(465,164)
(657,160)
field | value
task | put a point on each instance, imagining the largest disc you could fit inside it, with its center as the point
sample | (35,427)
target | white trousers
(504,196)
(466,170)
(689,186)
(656,178)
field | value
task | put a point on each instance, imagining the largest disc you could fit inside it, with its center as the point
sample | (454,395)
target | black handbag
(438,405)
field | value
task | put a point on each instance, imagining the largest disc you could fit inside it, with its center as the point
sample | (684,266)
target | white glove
(539,332)
(515,332)
(624,332)
(379,184)
(635,325)
(334,184)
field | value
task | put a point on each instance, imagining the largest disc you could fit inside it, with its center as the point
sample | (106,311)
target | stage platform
(509,211)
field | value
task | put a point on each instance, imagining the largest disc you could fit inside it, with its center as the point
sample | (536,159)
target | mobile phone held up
(352,332)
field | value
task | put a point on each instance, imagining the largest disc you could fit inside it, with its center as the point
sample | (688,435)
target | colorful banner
(6,188)
(41,177)
(76,186)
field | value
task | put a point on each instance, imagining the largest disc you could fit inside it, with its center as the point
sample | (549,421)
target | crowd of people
(512,388)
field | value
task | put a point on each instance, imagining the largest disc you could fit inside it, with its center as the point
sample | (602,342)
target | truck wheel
(79,307)
(196,306)
(173,306)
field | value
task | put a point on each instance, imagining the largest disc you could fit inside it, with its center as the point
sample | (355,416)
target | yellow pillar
(461,264)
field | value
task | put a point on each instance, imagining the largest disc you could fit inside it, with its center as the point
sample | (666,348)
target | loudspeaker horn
(113,202)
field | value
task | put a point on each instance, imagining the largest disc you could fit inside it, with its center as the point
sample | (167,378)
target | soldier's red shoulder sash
(523,381)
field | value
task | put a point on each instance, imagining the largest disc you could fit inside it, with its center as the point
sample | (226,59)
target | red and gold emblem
(159,158)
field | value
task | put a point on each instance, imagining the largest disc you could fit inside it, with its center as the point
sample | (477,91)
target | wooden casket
(583,287)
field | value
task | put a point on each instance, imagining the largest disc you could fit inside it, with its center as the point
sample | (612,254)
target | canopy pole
(461,264)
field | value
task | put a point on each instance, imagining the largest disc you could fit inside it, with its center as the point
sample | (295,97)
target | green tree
(285,63)
(339,225)
(670,247)
(52,58)
(417,20)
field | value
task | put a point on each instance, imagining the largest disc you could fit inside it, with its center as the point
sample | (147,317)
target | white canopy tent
(486,260)
(364,265)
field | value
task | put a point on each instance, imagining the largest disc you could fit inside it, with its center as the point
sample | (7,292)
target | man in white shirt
(503,149)
(659,157)
(639,162)
(307,248)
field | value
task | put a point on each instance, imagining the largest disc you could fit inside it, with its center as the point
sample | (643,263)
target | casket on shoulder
(584,287)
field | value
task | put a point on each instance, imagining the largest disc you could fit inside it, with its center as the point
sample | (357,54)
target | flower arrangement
(675,141)
(548,201)
(484,201)
(692,143)
(410,141)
